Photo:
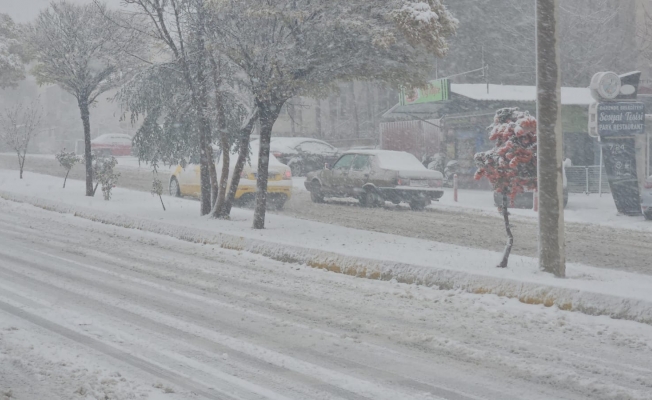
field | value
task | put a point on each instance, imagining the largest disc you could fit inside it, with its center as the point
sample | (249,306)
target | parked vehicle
(186,181)
(112,144)
(526,199)
(646,199)
(374,176)
(302,155)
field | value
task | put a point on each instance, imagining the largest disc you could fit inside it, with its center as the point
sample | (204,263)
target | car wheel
(371,198)
(296,169)
(175,190)
(418,204)
(316,194)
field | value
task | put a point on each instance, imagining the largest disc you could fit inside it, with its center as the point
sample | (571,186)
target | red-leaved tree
(511,166)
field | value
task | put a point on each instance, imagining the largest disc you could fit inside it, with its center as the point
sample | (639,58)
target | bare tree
(86,54)
(18,126)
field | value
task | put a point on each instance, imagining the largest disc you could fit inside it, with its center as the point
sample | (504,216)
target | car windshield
(397,161)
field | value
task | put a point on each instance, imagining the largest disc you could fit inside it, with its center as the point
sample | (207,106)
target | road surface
(593,245)
(100,312)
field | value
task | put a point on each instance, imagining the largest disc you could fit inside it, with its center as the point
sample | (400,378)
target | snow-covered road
(91,311)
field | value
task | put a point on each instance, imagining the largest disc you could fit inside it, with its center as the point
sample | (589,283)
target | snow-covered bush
(67,159)
(157,189)
(103,173)
(511,166)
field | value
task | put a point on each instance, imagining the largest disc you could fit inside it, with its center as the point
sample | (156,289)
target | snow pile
(350,251)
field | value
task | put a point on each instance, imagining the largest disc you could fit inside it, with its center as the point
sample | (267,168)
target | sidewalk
(350,251)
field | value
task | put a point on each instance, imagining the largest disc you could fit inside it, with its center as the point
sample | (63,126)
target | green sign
(437,90)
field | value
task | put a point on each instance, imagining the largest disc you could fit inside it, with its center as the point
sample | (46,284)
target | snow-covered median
(350,251)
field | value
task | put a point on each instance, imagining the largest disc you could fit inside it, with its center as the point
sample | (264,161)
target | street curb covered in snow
(587,302)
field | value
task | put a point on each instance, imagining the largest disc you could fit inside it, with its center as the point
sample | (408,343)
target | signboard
(437,90)
(620,119)
(620,162)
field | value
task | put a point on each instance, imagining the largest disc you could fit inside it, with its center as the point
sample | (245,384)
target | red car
(112,144)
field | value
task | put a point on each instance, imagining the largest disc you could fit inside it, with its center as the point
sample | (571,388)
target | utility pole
(550,140)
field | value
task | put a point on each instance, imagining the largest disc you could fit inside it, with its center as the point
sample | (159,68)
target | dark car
(374,176)
(302,155)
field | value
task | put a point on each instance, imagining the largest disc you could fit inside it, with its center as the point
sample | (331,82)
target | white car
(186,181)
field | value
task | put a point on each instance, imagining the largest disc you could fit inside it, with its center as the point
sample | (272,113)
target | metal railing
(586,179)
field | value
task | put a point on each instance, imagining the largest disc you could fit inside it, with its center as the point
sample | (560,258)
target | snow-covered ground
(123,161)
(582,208)
(181,217)
(591,209)
(92,311)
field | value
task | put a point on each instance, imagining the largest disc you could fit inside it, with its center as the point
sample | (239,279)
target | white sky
(26,10)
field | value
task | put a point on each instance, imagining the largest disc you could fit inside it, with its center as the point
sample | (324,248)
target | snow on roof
(569,95)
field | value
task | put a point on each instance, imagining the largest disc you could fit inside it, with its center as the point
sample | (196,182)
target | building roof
(569,95)
(471,99)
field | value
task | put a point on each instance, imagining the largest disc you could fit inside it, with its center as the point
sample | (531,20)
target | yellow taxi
(185,180)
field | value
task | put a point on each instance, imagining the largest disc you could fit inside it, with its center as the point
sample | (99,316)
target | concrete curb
(531,293)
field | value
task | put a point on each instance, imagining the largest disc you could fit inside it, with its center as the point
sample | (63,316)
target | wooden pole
(549,140)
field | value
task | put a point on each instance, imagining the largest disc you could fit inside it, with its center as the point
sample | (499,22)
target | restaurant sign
(620,119)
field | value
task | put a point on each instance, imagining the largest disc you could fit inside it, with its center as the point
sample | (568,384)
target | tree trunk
(269,111)
(370,110)
(332,114)
(291,114)
(21,163)
(354,103)
(199,87)
(86,121)
(549,141)
(508,229)
(243,152)
(318,118)
(219,209)
(160,197)
(65,179)
(212,171)
(204,176)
